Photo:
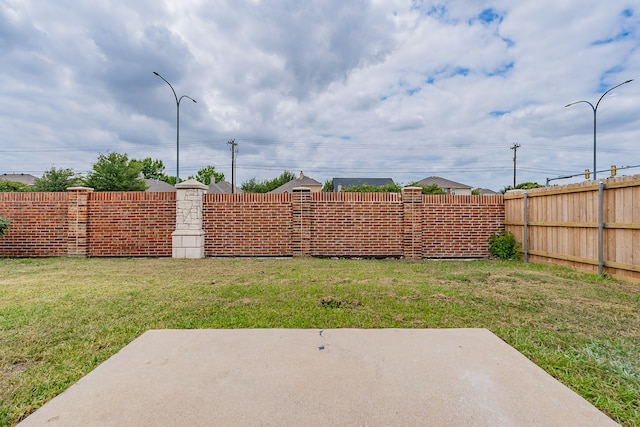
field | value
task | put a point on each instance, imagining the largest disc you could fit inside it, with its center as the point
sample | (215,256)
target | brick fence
(86,223)
(38,224)
(248,224)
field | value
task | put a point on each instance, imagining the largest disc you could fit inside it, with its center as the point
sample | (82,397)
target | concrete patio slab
(274,377)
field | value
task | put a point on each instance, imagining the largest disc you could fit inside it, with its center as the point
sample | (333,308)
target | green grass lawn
(60,318)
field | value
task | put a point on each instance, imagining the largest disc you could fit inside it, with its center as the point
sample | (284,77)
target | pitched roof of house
(154,185)
(440,182)
(487,191)
(23,178)
(349,182)
(301,181)
(222,187)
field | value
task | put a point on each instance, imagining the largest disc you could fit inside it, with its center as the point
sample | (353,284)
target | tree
(522,186)
(432,189)
(328,186)
(4,225)
(56,180)
(154,169)
(11,186)
(115,172)
(169,179)
(252,186)
(367,188)
(255,186)
(528,185)
(476,192)
(204,175)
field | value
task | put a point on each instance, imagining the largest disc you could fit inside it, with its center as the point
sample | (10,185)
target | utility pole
(234,151)
(515,150)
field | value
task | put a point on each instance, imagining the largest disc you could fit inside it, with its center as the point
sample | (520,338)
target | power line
(369,144)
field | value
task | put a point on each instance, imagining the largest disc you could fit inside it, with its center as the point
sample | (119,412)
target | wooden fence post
(525,230)
(601,226)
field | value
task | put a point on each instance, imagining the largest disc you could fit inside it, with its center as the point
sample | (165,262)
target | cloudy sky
(383,88)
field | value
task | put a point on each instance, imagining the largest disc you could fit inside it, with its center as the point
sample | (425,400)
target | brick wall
(84,223)
(247,224)
(351,224)
(87,223)
(130,223)
(38,224)
(356,224)
(459,226)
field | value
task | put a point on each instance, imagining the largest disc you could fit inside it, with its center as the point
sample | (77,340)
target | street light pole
(177,124)
(595,109)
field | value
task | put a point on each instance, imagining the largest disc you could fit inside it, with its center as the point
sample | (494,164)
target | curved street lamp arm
(177,124)
(185,96)
(165,80)
(595,110)
(623,83)
(578,102)
(602,96)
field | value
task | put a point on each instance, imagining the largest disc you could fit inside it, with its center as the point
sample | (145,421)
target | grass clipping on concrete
(60,318)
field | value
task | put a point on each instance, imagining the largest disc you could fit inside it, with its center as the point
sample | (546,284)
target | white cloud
(404,89)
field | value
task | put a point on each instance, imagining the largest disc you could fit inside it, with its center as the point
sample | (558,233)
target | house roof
(349,182)
(440,182)
(222,187)
(301,181)
(157,186)
(487,191)
(22,178)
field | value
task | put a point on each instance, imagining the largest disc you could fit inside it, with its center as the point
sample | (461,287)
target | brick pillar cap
(88,189)
(190,184)
(412,188)
(300,189)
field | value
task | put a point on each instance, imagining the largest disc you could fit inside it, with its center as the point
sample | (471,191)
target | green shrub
(504,246)
(433,189)
(11,186)
(368,188)
(429,189)
(4,225)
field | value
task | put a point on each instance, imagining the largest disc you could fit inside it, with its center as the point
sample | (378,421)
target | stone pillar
(301,227)
(188,239)
(77,218)
(412,234)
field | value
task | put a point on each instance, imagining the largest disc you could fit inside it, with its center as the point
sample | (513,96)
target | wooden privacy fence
(592,226)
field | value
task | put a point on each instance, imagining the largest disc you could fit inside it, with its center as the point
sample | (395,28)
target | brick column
(301,227)
(412,233)
(188,239)
(77,218)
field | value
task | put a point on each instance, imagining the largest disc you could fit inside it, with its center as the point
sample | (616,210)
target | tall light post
(595,109)
(177,124)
